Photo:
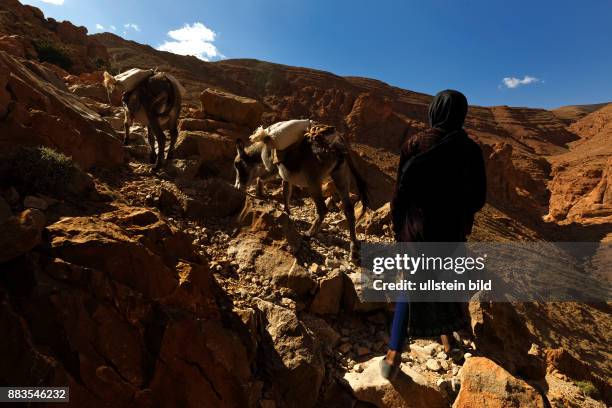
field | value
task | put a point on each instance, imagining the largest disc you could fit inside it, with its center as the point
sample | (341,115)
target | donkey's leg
(287,191)
(173,137)
(151,139)
(127,124)
(161,141)
(342,179)
(314,189)
(259,187)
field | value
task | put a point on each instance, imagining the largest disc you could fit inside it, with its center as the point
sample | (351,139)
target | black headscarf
(447,110)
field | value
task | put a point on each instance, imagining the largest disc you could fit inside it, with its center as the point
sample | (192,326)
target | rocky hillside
(177,290)
(572,113)
(582,177)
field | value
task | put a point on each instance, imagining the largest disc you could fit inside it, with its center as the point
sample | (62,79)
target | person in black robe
(441,185)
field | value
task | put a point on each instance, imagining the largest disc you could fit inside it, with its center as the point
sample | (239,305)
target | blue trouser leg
(401,318)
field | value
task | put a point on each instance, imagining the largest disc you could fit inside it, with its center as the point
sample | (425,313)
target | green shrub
(47,52)
(41,170)
(587,388)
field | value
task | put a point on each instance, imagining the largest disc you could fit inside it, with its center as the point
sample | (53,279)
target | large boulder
(96,92)
(292,356)
(102,245)
(484,383)
(214,151)
(500,332)
(329,296)
(252,252)
(231,108)
(108,309)
(377,222)
(409,390)
(296,278)
(270,222)
(208,146)
(36,112)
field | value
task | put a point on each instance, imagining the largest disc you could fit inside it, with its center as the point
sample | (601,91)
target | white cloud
(193,39)
(132,26)
(56,2)
(99,27)
(513,82)
(112,27)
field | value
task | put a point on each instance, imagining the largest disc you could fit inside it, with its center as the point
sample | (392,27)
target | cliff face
(581,185)
(178,290)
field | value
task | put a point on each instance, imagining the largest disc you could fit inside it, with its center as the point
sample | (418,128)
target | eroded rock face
(582,178)
(34,112)
(484,383)
(111,311)
(509,183)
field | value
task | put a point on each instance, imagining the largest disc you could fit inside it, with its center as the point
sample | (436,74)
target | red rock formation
(111,311)
(484,383)
(580,188)
(33,112)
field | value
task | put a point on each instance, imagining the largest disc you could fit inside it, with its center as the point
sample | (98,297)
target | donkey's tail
(362,187)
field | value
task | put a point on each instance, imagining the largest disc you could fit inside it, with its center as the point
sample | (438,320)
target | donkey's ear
(239,145)
(109,80)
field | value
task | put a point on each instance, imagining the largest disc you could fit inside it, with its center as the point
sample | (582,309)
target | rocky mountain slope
(178,290)
(572,113)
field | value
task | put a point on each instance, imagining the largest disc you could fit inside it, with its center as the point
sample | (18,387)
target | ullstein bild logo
(506,272)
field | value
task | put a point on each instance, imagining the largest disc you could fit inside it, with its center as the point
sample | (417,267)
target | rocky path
(307,282)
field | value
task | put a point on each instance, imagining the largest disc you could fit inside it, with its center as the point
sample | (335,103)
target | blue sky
(551,53)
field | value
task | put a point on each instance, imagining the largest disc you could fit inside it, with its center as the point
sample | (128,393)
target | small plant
(587,388)
(41,170)
(47,52)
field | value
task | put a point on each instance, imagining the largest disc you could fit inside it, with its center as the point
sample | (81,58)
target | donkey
(155,103)
(307,164)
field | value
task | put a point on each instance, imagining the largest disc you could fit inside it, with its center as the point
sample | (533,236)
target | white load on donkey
(278,137)
(153,99)
(281,135)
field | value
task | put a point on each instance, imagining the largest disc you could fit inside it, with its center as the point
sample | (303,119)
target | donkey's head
(247,163)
